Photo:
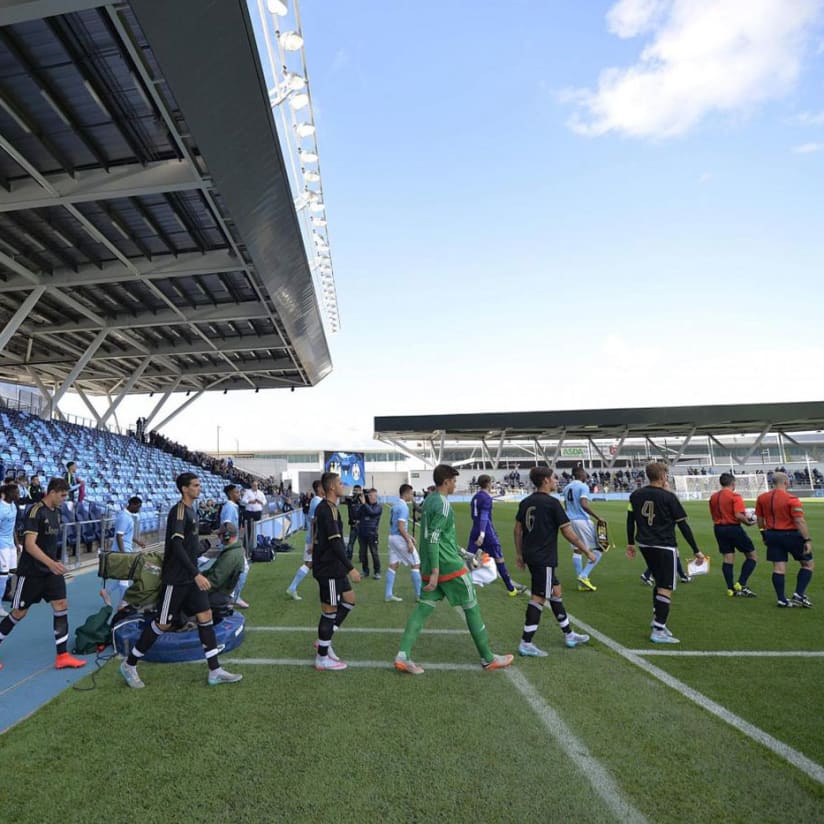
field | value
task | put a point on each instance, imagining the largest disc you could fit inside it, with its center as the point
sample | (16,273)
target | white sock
(302,572)
(390,582)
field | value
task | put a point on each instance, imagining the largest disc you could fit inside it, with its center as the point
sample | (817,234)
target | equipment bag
(262,554)
(94,633)
(141,568)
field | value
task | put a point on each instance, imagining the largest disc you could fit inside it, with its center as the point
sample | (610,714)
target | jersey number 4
(648,511)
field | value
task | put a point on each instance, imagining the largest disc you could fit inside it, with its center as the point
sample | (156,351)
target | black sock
(6,626)
(746,570)
(208,640)
(326,627)
(533,618)
(662,608)
(343,612)
(727,570)
(61,630)
(151,632)
(557,607)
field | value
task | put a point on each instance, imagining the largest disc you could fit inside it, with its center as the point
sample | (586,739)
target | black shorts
(781,543)
(331,589)
(32,589)
(177,597)
(731,537)
(663,564)
(253,516)
(543,579)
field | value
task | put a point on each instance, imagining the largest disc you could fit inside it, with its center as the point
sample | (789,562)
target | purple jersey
(481,510)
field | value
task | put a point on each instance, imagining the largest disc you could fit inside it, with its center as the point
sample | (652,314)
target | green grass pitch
(369,744)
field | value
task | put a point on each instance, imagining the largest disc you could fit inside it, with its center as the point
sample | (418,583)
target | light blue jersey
(124,525)
(8,516)
(400,512)
(313,505)
(572,495)
(230,513)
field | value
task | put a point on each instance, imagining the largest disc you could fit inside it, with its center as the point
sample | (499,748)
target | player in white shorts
(402,549)
(580,514)
(306,567)
(8,545)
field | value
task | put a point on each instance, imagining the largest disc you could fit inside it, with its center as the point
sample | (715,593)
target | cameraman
(369,518)
(353,504)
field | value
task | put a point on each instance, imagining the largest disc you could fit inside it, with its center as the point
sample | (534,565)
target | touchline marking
(602,782)
(310,662)
(362,630)
(727,653)
(792,756)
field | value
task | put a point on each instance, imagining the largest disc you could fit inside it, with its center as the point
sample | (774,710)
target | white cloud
(808,148)
(811,118)
(703,56)
(705,177)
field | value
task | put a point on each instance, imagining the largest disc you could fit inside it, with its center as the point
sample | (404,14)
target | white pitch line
(727,653)
(782,750)
(575,749)
(362,630)
(309,662)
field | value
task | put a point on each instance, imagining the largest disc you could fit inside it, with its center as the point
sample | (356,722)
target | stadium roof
(665,421)
(148,234)
(545,429)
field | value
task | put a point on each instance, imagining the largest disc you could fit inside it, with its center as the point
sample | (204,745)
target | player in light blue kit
(9,547)
(125,541)
(580,514)
(306,567)
(402,549)
(483,538)
(230,514)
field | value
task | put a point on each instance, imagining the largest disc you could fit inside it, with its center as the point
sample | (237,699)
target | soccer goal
(700,487)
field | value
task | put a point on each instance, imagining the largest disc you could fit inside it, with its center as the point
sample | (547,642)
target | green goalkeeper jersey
(439,544)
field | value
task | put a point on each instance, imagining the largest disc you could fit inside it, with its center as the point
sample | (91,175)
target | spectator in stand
(254,500)
(35,490)
(23,489)
(369,518)
(72,479)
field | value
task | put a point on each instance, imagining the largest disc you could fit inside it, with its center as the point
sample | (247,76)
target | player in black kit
(652,516)
(183,587)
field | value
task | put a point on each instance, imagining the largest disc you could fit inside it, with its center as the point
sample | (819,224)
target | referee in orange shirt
(728,514)
(781,521)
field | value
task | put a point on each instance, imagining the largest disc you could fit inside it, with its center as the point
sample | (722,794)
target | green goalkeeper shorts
(459,592)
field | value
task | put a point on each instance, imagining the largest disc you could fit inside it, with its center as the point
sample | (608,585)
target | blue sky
(514,226)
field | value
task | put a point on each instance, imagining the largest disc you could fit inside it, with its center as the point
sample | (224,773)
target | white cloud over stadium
(702,57)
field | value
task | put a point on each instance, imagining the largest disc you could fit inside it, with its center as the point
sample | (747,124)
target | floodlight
(291,41)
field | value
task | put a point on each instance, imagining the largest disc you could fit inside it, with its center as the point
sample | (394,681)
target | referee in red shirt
(728,514)
(781,521)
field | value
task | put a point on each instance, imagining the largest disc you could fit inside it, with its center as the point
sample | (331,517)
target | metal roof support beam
(557,453)
(617,453)
(541,450)
(79,366)
(751,450)
(793,441)
(19,11)
(406,451)
(19,316)
(598,450)
(251,369)
(440,448)
(500,449)
(177,411)
(159,404)
(125,391)
(89,405)
(485,453)
(684,446)
(47,396)
(134,180)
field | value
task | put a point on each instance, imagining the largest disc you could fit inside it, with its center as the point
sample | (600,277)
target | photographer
(369,518)
(353,504)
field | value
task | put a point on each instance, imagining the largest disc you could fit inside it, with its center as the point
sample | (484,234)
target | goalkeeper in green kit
(446,576)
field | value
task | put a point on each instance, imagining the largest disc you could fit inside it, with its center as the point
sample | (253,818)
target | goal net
(700,487)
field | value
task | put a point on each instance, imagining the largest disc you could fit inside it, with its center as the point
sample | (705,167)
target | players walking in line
(332,569)
(537,522)
(9,494)
(580,516)
(446,576)
(40,573)
(184,588)
(402,549)
(483,536)
(785,531)
(306,567)
(728,514)
(652,515)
